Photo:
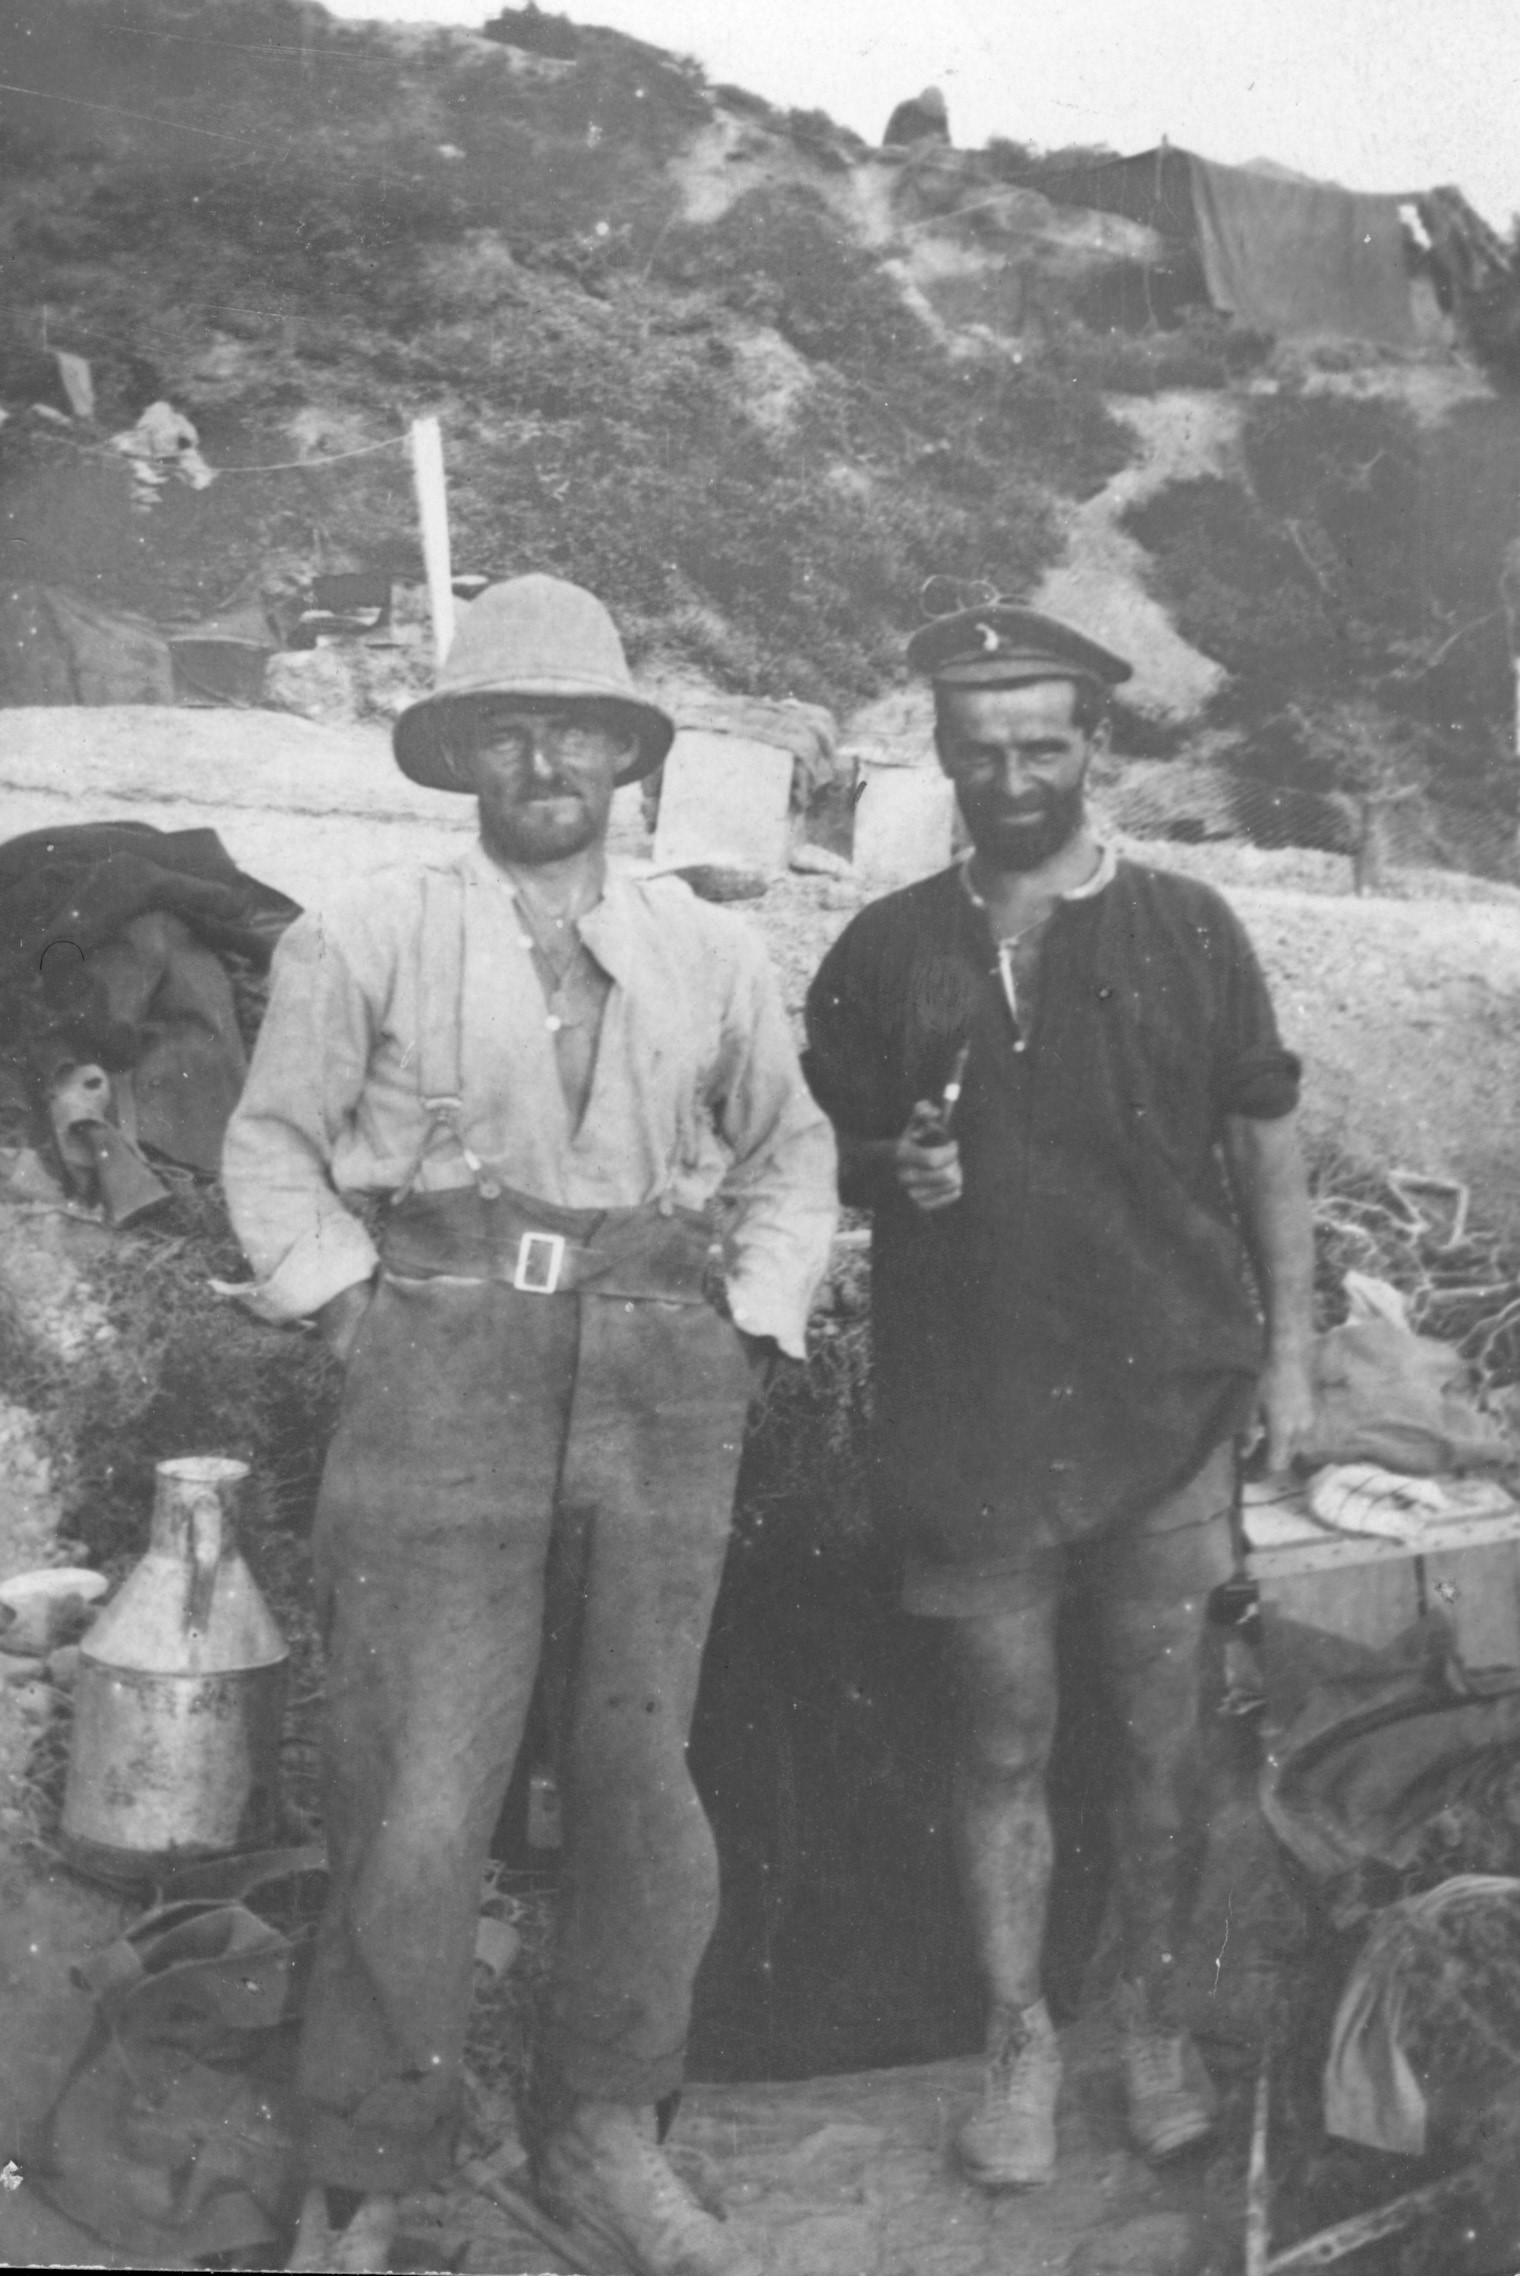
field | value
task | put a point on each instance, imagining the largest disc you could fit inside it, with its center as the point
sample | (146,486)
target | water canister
(180,1693)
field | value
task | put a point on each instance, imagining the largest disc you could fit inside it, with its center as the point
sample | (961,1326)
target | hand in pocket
(342,1316)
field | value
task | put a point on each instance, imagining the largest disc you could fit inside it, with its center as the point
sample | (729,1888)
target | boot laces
(1017,2060)
(1157,2061)
(1155,2056)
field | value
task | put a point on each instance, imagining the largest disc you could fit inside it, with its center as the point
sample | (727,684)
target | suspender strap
(440,1012)
(440,987)
(1238,1509)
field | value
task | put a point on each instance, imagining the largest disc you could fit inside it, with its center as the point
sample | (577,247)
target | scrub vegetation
(1350,578)
(494,232)
(593,266)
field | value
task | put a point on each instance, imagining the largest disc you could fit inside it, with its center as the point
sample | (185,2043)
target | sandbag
(1428,2028)
(1405,1772)
(174,2136)
(1405,1402)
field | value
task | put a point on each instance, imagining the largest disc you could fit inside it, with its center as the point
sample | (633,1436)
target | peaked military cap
(1003,644)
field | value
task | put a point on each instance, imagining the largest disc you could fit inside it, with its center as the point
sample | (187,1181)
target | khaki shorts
(1181,1547)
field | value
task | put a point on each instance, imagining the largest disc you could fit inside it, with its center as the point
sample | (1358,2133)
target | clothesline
(276,466)
(120,110)
(309,465)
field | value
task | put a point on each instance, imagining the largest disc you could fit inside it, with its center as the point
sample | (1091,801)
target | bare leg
(1153,1647)
(1153,1626)
(1005,1663)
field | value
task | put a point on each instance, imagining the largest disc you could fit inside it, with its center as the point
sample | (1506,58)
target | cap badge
(989,639)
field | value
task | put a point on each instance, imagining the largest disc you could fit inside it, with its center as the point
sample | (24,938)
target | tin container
(180,1694)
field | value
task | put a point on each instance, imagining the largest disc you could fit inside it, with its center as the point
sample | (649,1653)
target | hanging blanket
(1305,260)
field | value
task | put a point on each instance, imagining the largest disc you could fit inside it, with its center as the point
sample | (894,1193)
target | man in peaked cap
(540,1072)
(1057,1082)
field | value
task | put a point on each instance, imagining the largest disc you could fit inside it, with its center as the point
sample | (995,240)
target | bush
(1028,168)
(1204,351)
(533,29)
(184,1372)
(1350,587)
(779,257)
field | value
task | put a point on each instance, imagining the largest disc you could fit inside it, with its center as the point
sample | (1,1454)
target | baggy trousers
(498,1450)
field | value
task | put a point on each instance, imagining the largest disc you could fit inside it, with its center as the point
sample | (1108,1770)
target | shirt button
(554,1023)
(525,940)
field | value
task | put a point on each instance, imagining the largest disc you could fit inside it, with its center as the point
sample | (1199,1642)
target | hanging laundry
(162,445)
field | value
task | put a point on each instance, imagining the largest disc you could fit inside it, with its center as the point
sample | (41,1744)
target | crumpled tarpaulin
(112,944)
(56,648)
(1396,1772)
(1417,2042)
(1303,260)
(174,2137)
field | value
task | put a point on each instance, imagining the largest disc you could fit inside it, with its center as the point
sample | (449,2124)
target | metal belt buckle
(540,1260)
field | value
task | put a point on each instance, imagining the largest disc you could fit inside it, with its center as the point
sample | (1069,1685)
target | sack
(1401,1774)
(173,2136)
(1405,1402)
(1428,2028)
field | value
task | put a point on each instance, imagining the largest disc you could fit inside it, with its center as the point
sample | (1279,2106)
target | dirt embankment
(1408,1018)
(1407,1012)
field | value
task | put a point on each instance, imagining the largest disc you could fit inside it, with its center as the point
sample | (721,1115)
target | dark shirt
(1066,1345)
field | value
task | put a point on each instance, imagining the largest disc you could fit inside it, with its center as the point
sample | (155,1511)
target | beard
(548,826)
(1026,835)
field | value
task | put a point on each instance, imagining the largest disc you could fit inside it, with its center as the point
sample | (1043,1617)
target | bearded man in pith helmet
(1058,1085)
(545,1071)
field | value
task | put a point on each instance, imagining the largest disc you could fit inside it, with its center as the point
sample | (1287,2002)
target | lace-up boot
(605,2182)
(1172,2102)
(1010,2141)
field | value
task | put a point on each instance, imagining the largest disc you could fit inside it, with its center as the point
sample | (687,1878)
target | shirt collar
(1104,874)
(608,928)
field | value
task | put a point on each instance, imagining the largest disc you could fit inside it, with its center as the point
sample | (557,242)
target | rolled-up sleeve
(1254,1076)
(783,1176)
(306,1078)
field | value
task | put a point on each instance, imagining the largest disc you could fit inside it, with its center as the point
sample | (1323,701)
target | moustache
(545,793)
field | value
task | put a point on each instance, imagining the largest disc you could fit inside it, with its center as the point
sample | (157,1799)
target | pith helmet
(532,636)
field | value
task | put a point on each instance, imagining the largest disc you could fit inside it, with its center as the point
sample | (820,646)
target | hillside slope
(304,233)
(752,381)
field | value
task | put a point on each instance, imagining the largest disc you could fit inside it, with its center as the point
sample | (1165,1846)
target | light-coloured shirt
(696,1087)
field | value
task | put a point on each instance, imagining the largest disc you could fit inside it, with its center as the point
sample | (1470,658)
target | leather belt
(541,1250)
